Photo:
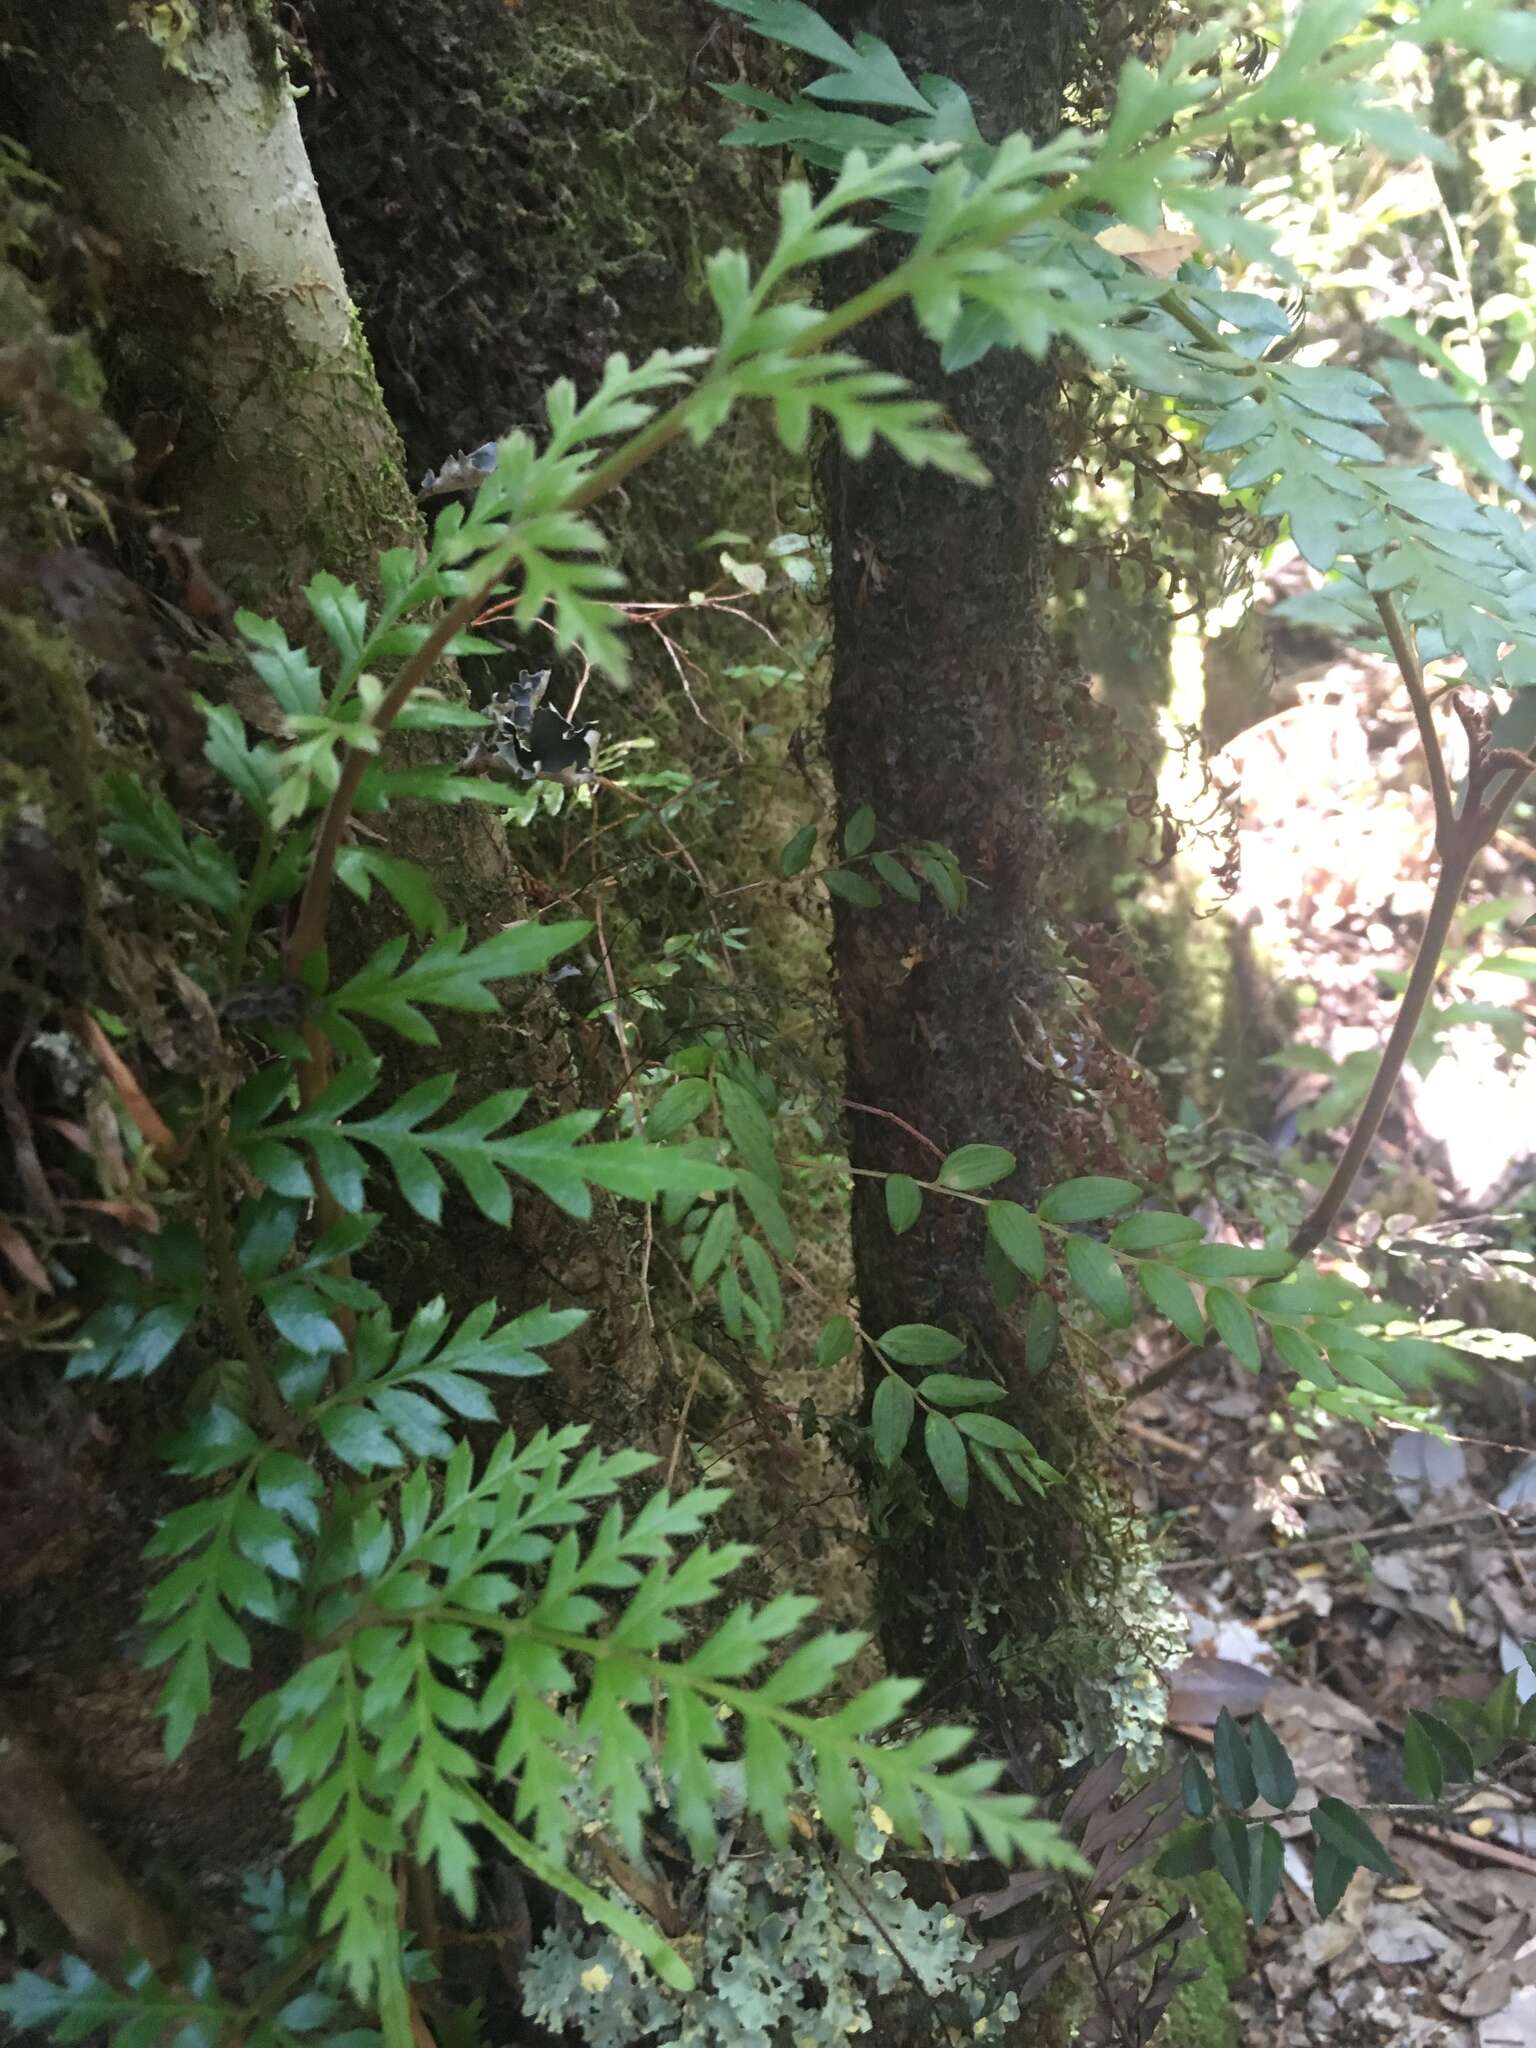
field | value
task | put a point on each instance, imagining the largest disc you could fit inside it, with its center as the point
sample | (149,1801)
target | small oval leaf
(919,1344)
(1093,1271)
(946,1454)
(976,1166)
(890,1418)
(859,832)
(1017,1234)
(903,1201)
(1086,1200)
(798,851)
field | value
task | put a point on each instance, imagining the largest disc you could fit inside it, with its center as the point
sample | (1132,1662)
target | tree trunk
(950,715)
(238,362)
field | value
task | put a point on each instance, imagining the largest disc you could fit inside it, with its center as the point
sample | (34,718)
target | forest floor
(1334,1578)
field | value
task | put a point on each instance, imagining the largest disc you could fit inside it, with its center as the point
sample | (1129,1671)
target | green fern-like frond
(493,1607)
(474,1146)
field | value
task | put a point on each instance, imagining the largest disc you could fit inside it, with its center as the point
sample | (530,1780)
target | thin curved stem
(1406,656)
(1426,970)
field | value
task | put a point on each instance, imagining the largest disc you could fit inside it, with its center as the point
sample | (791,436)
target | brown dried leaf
(26,1262)
(152,1127)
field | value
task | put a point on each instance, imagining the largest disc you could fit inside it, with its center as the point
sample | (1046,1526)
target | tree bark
(949,714)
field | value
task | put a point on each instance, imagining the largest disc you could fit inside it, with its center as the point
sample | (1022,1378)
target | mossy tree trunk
(238,362)
(950,715)
(230,322)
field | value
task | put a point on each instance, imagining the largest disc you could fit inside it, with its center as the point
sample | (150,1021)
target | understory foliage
(496,1650)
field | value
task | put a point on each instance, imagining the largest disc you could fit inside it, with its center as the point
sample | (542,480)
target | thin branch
(868,1109)
(107,1919)
(1406,656)
(1410,1015)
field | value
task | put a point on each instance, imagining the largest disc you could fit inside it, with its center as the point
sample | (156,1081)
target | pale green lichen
(797,1946)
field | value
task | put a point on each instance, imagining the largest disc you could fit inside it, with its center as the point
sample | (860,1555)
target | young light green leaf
(718,1237)
(836,1340)
(1017,1235)
(1172,1296)
(953,1390)
(684,1103)
(976,1166)
(1232,1262)
(1152,1229)
(903,1202)
(1086,1200)
(996,1434)
(859,832)
(1233,1325)
(1095,1273)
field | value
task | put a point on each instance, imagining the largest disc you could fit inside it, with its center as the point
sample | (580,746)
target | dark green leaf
(946,1454)
(895,876)
(1199,1796)
(798,851)
(953,1390)
(1189,1853)
(1172,1296)
(836,1340)
(945,881)
(1423,1772)
(1230,1848)
(890,1418)
(920,1344)
(1331,1873)
(1273,1771)
(1235,1779)
(1346,1832)
(859,832)
(1266,1861)
(1041,1332)
(1233,1325)
(996,1434)
(1455,1756)
(852,887)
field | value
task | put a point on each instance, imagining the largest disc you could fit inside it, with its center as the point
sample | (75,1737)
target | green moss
(1201,2015)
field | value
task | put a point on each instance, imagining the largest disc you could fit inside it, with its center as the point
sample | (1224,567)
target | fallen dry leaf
(1159,254)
